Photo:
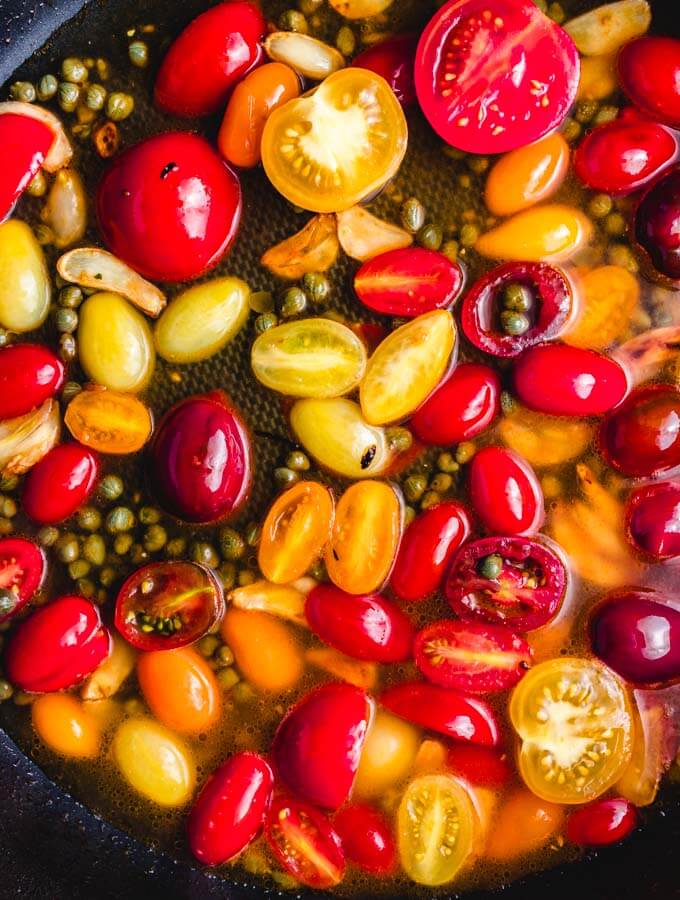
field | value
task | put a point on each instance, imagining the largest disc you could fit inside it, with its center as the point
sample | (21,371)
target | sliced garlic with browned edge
(61,152)
(307,55)
(607,28)
(313,249)
(26,439)
(66,209)
(363,236)
(287,601)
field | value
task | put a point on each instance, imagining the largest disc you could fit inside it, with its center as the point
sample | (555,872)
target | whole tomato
(602,823)
(394,60)
(657,226)
(461,408)
(653,519)
(29,375)
(649,72)
(367,838)
(505,492)
(60,483)
(642,436)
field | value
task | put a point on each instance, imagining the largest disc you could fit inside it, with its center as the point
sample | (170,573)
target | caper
(556,13)
(79,568)
(430,236)
(103,68)
(600,206)
(47,88)
(491,566)
(6,690)
(399,439)
(571,130)
(23,698)
(516,297)
(293,302)
(318,571)
(107,576)
(224,656)
(9,482)
(6,526)
(227,678)
(308,7)
(69,94)
(89,518)
(122,544)
(67,348)
(74,70)
(226,572)
(261,301)
(316,286)
(446,463)
(514,323)
(414,487)
(121,518)
(138,554)
(507,403)
(621,255)
(155,538)
(204,553)
(138,51)
(68,548)
(207,645)
(111,487)
(450,250)
(293,20)
(298,461)
(149,515)
(94,549)
(478,164)
(265,321)
(95,97)
(119,106)
(70,297)
(615,224)
(469,235)
(465,452)
(412,215)
(66,320)
(37,186)
(70,390)
(409,515)
(585,110)
(23,91)
(87,587)
(345,41)
(285,476)
(8,507)
(48,536)
(8,601)
(246,577)
(176,548)
(605,114)
(441,483)
(232,544)
(253,534)
(430,499)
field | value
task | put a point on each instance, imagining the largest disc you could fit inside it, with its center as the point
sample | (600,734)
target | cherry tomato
(267,653)
(212,53)
(305,843)
(65,726)
(169,206)
(547,233)
(109,421)
(474,104)
(366,838)
(508,580)
(602,823)
(318,744)
(251,104)
(649,72)
(337,145)
(29,375)
(230,809)
(25,142)
(471,657)
(448,712)
(165,605)
(387,757)
(60,483)
(426,549)
(539,820)
(23,567)
(542,294)
(479,765)
(653,518)
(180,689)
(527,175)
(57,646)
(609,297)
(364,627)
(505,492)
(642,436)
(393,60)
(201,465)
(657,228)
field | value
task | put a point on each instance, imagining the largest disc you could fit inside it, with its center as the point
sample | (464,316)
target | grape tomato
(180,689)
(550,233)
(463,406)
(527,175)
(653,519)
(394,60)
(602,823)
(29,375)
(60,483)
(367,838)
(505,492)
(648,72)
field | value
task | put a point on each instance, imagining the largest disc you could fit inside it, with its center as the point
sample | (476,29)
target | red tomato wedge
(305,843)
(22,571)
(491,77)
(25,143)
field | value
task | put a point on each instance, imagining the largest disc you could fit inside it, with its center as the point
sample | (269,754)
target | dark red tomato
(318,744)
(367,838)
(471,657)
(60,483)
(208,58)
(508,580)
(569,381)
(547,303)
(505,492)
(602,822)
(408,282)
(479,106)
(649,72)
(25,142)
(365,627)
(394,60)
(447,712)
(461,408)
(29,375)
(169,206)
(479,765)
(200,461)
(657,226)
(231,808)
(642,436)
(57,646)
(305,843)
(426,549)
(168,604)
(638,636)
(22,572)
(653,518)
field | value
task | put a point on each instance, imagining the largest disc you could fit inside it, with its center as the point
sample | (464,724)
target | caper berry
(430,236)
(69,94)
(67,348)
(227,678)
(441,483)
(293,302)
(176,548)
(48,536)
(465,452)
(285,476)
(23,91)
(261,301)
(399,439)
(111,487)
(74,70)
(121,518)
(430,499)
(79,569)
(227,573)
(413,215)
(253,534)
(94,549)
(204,553)
(414,487)
(491,566)
(89,518)
(149,515)
(298,461)
(345,41)
(122,544)
(446,463)
(469,235)
(6,690)
(264,322)
(138,51)
(232,544)
(516,297)
(293,20)
(68,548)
(119,106)
(66,320)
(95,97)
(316,286)
(8,602)
(514,323)
(47,88)
(37,186)
(155,538)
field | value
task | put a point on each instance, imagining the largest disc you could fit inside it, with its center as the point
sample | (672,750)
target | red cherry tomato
(657,226)
(474,103)
(505,492)
(57,646)
(365,627)
(461,408)
(642,436)
(408,282)
(22,571)
(25,142)
(602,822)
(479,765)
(525,594)
(367,838)
(548,298)
(649,72)
(394,60)
(471,657)
(569,381)
(230,810)
(29,375)
(207,59)
(60,483)
(169,206)
(653,519)
(447,712)
(426,549)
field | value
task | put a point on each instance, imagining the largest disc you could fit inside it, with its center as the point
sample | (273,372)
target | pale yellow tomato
(24,279)
(64,724)
(388,755)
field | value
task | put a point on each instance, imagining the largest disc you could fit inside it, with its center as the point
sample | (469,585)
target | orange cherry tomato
(365,537)
(551,232)
(295,531)
(523,824)
(180,689)
(109,421)
(527,175)
(267,654)
(251,104)
(62,722)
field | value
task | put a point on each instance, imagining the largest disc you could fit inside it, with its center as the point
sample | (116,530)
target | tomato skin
(60,483)
(23,567)
(365,627)
(25,143)
(208,57)
(657,228)
(653,519)
(526,176)
(394,60)
(649,73)
(57,646)
(367,838)
(230,809)
(479,765)
(505,492)
(426,549)
(180,689)
(602,823)
(29,375)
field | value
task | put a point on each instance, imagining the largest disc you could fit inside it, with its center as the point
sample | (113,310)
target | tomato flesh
(602,823)
(505,492)
(23,567)
(393,60)
(305,843)
(29,375)
(25,143)
(367,838)
(60,483)
(649,72)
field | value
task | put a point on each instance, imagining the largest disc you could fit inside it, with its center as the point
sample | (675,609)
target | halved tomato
(109,421)
(22,572)
(25,144)
(305,843)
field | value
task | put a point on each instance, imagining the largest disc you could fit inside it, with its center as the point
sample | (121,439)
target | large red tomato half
(491,77)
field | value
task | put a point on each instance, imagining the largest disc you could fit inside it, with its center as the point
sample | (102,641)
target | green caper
(318,571)
(414,487)
(207,645)
(399,439)
(122,544)
(441,483)
(469,235)
(94,549)
(253,534)
(293,302)
(430,236)
(491,566)
(446,463)
(138,554)
(345,41)
(103,68)
(621,255)
(585,110)
(23,91)
(70,390)
(89,518)
(507,403)
(6,690)
(556,13)
(37,186)
(111,487)
(119,106)
(232,544)
(95,97)
(430,499)
(228,678)
(224,656)
(107,576)
(412,215)
(70,297)
(69,94)
(155,538)
(204,553)
(121,518)
(465,452)
(149,515)
(478,164)
(409,515)
(605,114)
(66,320)
(6,526)
(285,476)
(48,536)
(293,20)
(176,548)
(600,206)
(8,507)
(86,586)
(79,568)
(67,348)
(316,286)
(68,548)
(450,250)
(308,7)
(138,51)
(74,70)
(265,321)
(571,130)
(8,602)
(615,224)
(261,301)
(514,323)
(298,461)
(226,572)
(246,577)
(47,88)
(516,297)
(9,482)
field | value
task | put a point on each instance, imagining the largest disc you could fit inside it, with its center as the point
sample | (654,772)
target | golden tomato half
(109,421)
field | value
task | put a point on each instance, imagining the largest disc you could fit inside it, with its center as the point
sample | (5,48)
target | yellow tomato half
(109,421)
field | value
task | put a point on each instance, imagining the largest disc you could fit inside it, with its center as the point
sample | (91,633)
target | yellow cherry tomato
(598,77)
(154,762)
(63,723)
(527,175)
(550,233)
(365,537)
(115,343)
(109,421)
(388,756)
(180,689)
(407,367)
(295,532)
(360,9)
(545,440)
(609,296)
(523,824)
(24,280)
(336,145)
(267,654)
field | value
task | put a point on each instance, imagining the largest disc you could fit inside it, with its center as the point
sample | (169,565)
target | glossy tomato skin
(649,73)
(200,460)
(29,375)
(25,143)
(366,627)
(367,838)
(505,492)
(57,646)
(461,408)
(561,380)
(394,60)
(208,58)
(426,549)
(657,226)
(60,483)
(23,567)
(481,766)
(653,519)
(602,823)
(169,207)
(231,808)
